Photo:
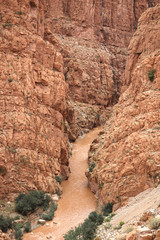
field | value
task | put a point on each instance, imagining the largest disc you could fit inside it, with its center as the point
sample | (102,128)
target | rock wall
(93,37)
(33,146)
(126,152)
(61,63)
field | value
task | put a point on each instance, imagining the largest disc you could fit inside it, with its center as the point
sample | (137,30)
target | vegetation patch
(50,214)
(151,74)
(92,166)
(27,203)
(18,234)
(2,171)
(109,217)
(5,223)
(154,223)
(27,227)
(58,179)
(86,230)
(107,209)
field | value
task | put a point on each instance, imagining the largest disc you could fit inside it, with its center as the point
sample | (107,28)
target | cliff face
(33,146)
(93,37)
(62,65)
(127,153)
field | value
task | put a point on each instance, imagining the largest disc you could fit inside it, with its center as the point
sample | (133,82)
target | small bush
(58,179)
(20,13)
(5,223)
(109,217)
(49,216)
(2,171)
(18,234)
(107,209)
(151,74)
(154,223)
(91,166)
(27,203)
(46,202)
(18,226)
(27,227)
(96,218)
(120,225)
(86,230)
(17,217)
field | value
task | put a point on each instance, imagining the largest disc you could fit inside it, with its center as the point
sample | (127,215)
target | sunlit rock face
(61,71)
(126,152)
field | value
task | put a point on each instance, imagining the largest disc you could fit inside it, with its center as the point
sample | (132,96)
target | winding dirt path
(77,200)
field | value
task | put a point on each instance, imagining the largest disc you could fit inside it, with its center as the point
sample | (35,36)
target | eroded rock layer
(33,146)
(62,65)
(127,151)
(93,37)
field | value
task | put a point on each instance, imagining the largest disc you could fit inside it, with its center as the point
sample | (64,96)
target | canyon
(126,152)
(68,66)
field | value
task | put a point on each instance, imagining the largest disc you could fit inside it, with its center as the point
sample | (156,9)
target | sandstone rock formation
(126,152)
(61,63)
(93,37)
(33,146)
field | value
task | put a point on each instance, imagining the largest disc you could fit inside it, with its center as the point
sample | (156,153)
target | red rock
(157,234)
(127,153)
(42,44)
(3,236)
(33,145)
(131,236)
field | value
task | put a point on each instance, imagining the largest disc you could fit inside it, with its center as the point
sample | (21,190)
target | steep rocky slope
(127,151)
(33,146)
(61,63)
(136,216)
(93,37)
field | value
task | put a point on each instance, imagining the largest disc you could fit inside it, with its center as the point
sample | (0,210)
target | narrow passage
(77,200)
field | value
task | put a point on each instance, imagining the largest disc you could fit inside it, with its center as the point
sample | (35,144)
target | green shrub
(46,202)
(50,214)
(27,227)
(91,166)
(86,230)
(74,234)
(151,74)
(17,217)
(18,234)
(18,226)
(2,171)
(109,217)
(119,226)
(58,179)
(5,223)
(154,223)
(96,218)
(107,209)
(27,203)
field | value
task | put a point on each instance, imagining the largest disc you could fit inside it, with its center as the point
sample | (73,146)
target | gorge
(68,66)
